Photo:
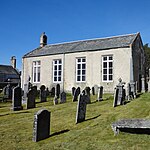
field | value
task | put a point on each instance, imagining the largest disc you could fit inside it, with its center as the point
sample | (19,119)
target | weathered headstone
(25,91)
(8,92)
(53,91)
(81,108)
(63,97)
(100,93)
(41,125)
(73,91)
(55,100)
(43,93)
(31,99)
(17,99)
(96,89)
(87,92)
(143,84)
(76,94)
(93,90)
(57,92)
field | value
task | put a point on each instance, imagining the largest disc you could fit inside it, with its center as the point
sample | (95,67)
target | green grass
(16,127)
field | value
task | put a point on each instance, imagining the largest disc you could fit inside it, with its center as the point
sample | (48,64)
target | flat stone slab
(141,126)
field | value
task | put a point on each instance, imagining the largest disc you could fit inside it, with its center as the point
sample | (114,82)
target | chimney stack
(43,40)
(13,62)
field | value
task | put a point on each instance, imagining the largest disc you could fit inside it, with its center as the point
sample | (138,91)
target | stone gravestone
(63,97)
(100,93)
(57,92)
(43,93)
(55,100)
(8,92)
(53,91)
(133,89)
(81,108)
(76,94)
(31,98)
(41,125)
(119,95)
(143,84)
(93,90)
(17,99)
(96,89)
(73,90)
(25,91)
(87,92)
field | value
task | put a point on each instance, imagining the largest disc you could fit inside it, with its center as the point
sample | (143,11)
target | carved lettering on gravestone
(81,108)
(76,94)
(63,97)
(57,92)
(17,99)
(31,98)
(43,93)
(41,125)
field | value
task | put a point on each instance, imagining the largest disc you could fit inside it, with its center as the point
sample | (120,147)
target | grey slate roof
(85,45)
(5,69)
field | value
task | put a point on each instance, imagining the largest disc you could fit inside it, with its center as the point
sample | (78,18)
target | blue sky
(23,21)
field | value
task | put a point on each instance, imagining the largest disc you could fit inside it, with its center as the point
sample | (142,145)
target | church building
(94,62)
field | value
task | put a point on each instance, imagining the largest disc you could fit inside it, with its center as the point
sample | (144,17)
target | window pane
(83,66)
(59,67)
(105,64)
(79,66)
(55,78)
(110,71)
(104,71)
(83,78)
(110,77)
(55,73)
(78,78)
(105,77)
(105,58)
(38,77)
(59,78)
(79,72)
(83,59)
(59,73)
(55,61)
(79,60)
(55,67)
(38,62)
(110,58)
(110,64)
(34,76)
(83,72)
(60,61)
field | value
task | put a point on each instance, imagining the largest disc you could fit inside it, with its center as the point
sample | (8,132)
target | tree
(147,57)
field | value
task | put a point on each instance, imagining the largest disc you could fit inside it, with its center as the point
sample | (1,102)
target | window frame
(107,68)
(36,71)
(57,71)
(82,69)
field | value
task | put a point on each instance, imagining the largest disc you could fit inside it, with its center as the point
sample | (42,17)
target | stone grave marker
(76,94)
(31,99)
(53,91)
(87,92)
(8,92)
(73,91)
(57,92)
(81,108)
(100,93)
(17,99)
(43,93)
(63,97)
(41,125)
(55,100)
(96,89)
(93,90)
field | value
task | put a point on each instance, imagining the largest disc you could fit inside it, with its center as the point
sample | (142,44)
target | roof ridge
(92,39)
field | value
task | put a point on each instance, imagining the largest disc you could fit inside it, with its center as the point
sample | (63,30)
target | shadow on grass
(14,113)
(92,118)
(58,133)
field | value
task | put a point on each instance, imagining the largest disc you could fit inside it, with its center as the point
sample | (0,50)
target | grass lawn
(16,127)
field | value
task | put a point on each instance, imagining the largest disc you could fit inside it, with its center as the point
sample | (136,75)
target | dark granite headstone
(43,93)
(41,125)
(53,91)
(63,97)
(100,93)
(17,99)
(31,99)
(93,90)
(57,92)
(73,91)
(76,94)
(87,92)
(81,108)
